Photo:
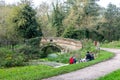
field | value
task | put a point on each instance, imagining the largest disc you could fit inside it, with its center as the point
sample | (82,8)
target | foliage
(29,52)
(61,58)
(40,72)
(87,44)
(24,24)
(33,42)
(24,21)
(7,34)
(9,58)
(84,33)
(79,34)
(57,18)
(110,27)
(113,44)
(45,20)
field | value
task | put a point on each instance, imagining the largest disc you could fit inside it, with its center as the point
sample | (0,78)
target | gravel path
(95,71)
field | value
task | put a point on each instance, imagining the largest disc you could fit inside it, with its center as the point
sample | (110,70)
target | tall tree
(24,21)
(85,12)
(57,18)
(112,16)
(83,15)
(7,37)
(43,13)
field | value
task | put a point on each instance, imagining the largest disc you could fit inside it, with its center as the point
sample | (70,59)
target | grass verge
(41,71)
(112,76)
(113,44)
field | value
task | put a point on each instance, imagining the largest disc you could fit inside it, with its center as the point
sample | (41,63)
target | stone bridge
(64,44)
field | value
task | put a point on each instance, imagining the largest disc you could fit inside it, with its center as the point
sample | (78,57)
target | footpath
(95,71)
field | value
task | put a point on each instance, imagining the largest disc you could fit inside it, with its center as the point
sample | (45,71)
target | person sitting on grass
(88,56)
(71,60)
(82,60)
(74,59)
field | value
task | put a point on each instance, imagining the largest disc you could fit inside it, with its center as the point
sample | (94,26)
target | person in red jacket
(71,60)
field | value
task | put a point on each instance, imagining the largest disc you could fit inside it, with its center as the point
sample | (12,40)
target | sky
(103,3)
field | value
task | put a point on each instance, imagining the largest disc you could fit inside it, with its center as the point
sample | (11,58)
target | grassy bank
(41,71)
(113,44)
(112,76)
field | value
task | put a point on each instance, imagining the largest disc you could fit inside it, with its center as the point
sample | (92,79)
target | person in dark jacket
(88,56)
(74,58)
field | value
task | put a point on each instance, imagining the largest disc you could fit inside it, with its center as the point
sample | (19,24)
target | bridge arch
(52,44)
(50,48)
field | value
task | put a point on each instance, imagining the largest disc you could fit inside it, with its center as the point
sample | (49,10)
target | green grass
(41,71)
(112,76)
(22,73)
(113,44)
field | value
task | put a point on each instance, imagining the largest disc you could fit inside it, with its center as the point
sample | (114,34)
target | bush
(30,52)
(9,58)
(79,34)
(34,41)
(62,58)
(73,33)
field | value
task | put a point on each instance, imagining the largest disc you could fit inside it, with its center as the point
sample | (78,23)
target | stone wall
(66,44)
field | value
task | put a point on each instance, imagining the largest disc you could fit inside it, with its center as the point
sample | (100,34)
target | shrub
(34,41)
(62,58)
(9,58)
(79,34)
(72,33)
(30,52)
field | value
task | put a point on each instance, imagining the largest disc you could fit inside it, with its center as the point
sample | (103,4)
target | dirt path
(95,71)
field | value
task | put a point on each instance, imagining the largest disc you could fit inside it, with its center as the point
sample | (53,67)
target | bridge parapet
(65,43)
